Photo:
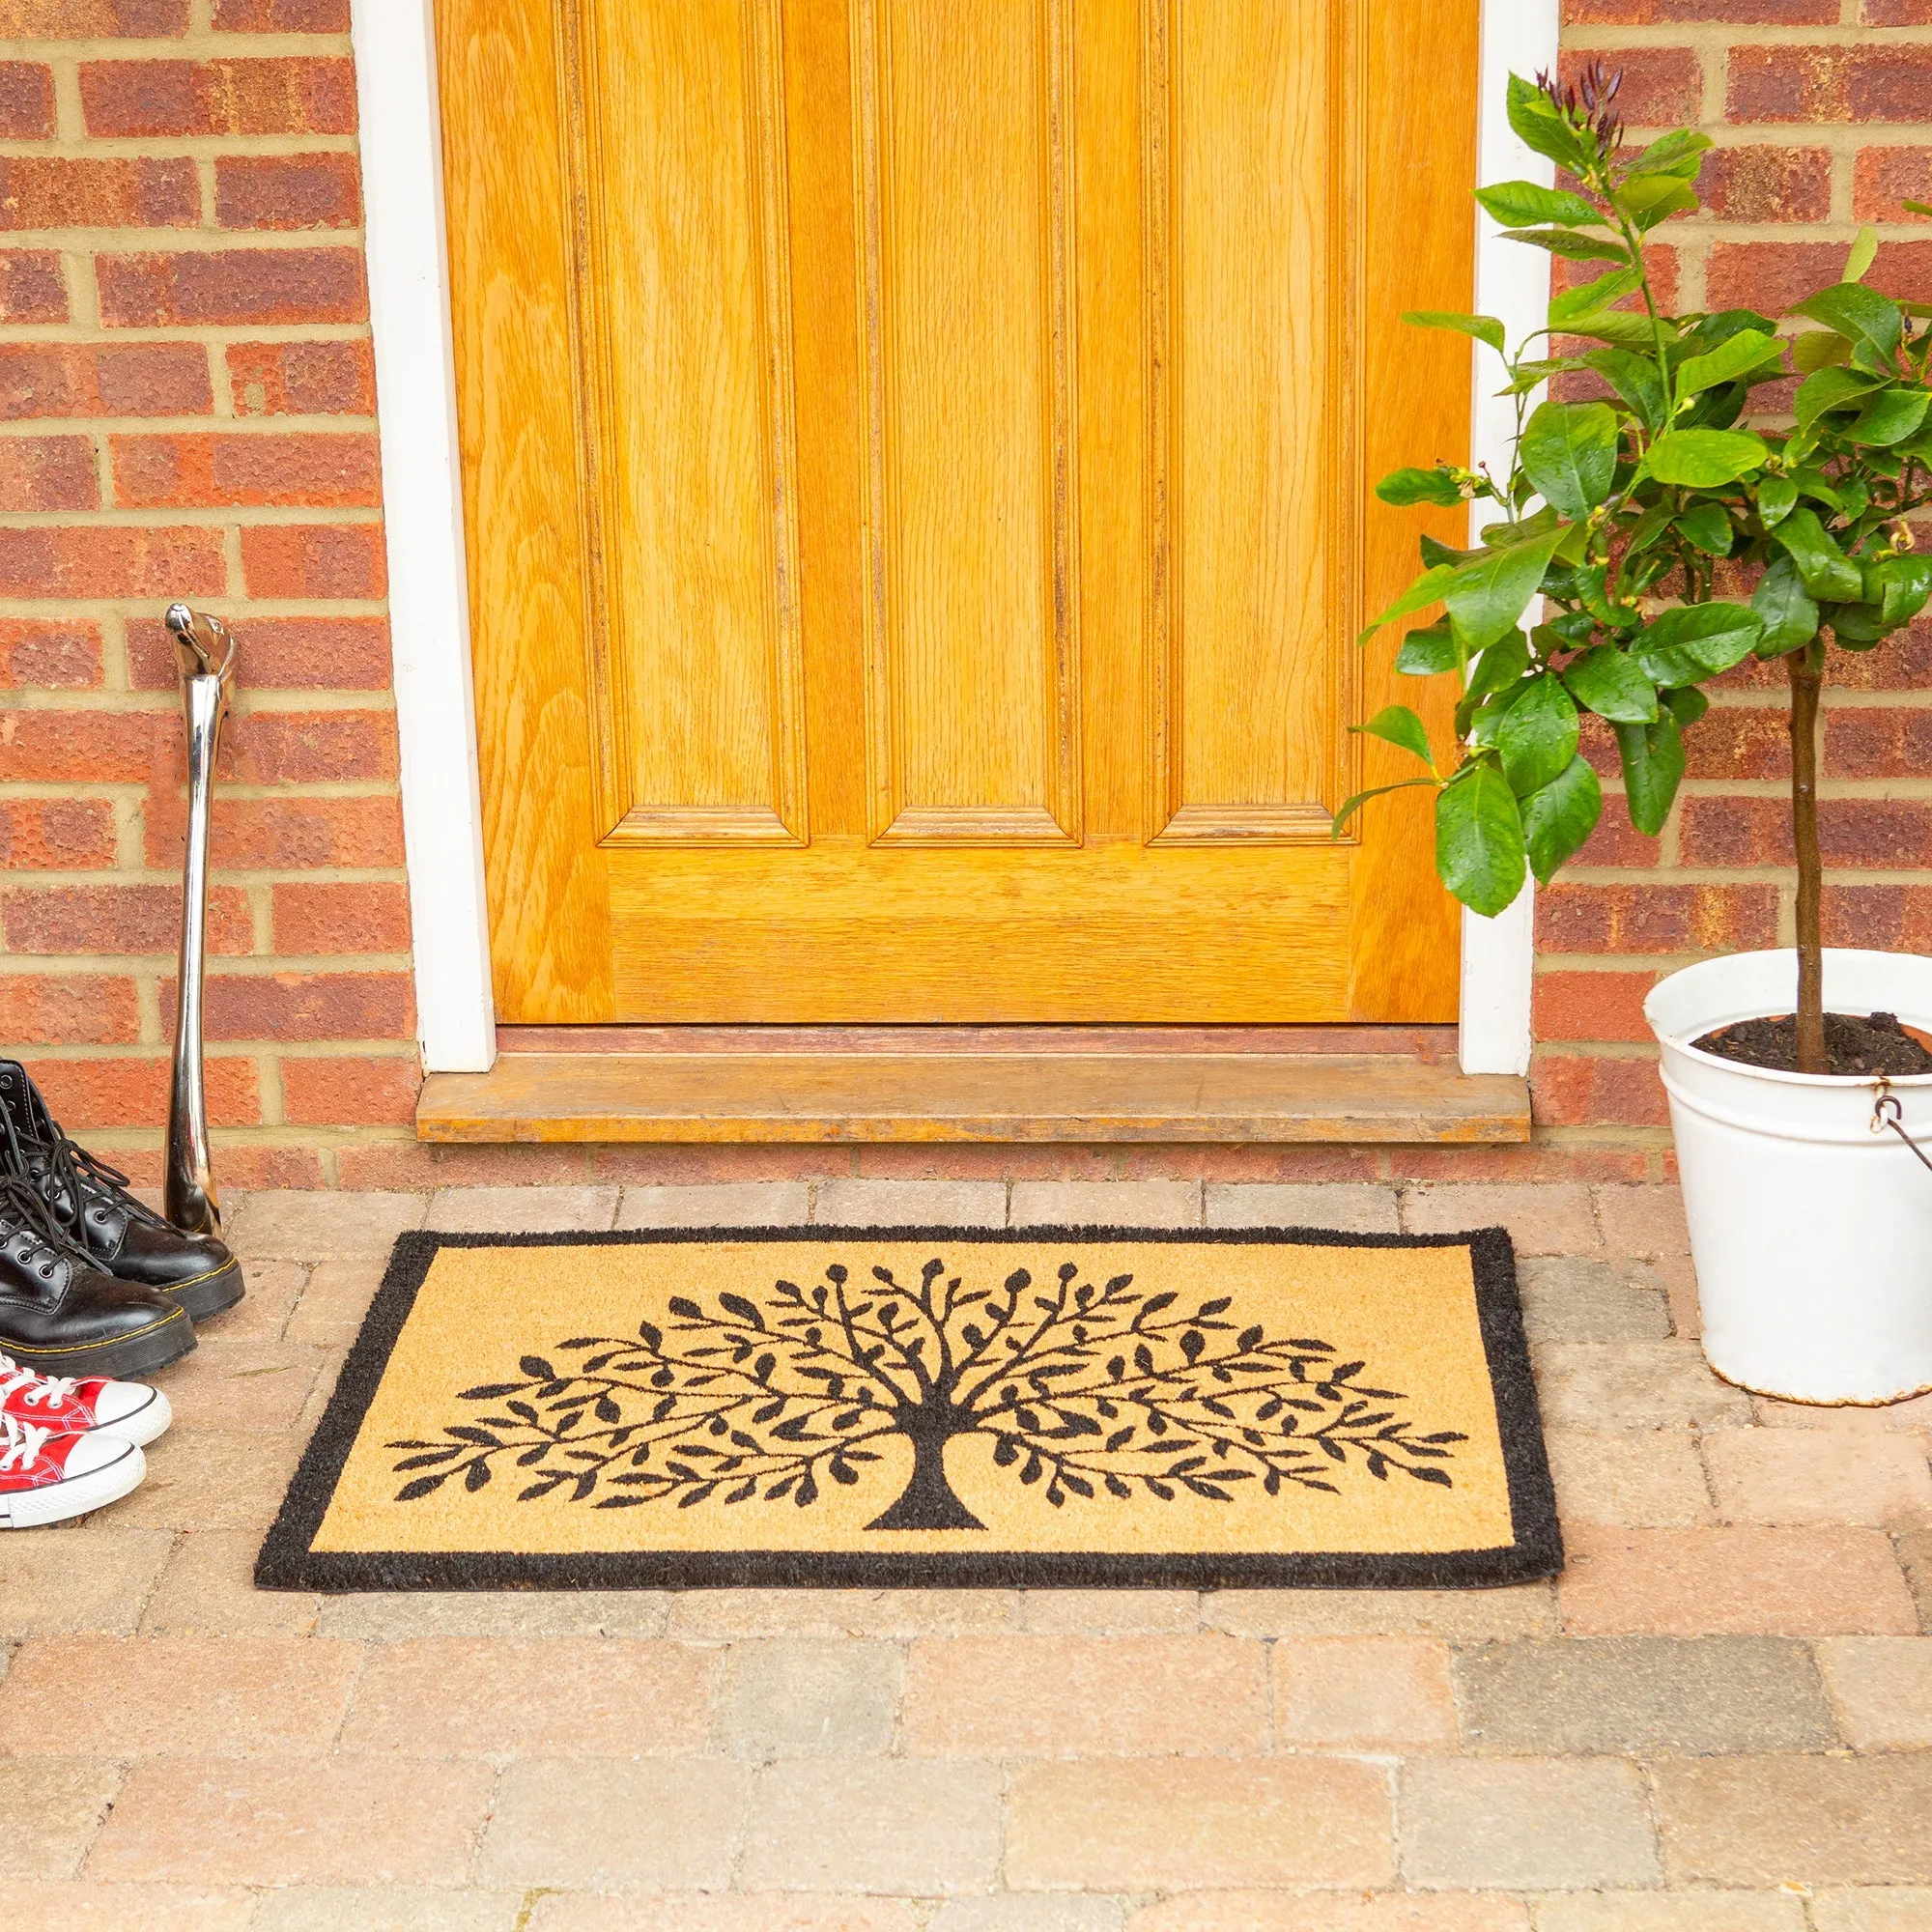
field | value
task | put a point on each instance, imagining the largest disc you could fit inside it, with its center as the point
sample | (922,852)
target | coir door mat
(865,1407)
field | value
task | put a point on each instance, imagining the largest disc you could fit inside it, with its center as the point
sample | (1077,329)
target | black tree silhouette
(1089,1390)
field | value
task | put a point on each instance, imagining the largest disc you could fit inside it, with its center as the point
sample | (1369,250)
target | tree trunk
(1806,672)
(927,1501)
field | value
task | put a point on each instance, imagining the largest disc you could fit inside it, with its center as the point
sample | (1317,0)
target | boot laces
(22,1443)
(45,1391)
(65,1166)
(24,1209)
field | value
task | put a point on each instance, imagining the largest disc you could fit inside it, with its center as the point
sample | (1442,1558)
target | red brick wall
(1822,115)
(187,410)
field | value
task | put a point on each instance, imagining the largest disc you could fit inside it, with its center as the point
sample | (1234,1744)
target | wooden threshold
(974,1085)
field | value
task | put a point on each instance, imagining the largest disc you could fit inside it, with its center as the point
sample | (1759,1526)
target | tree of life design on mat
(1095,1392)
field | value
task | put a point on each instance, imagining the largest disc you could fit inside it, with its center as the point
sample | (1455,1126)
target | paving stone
(1633,1385)
(261,1313)
(93,1578)
(314,1908)
(726,1615)
(335,1225)
(1733,1582)
(245,1384)
(1378,1693)
(909,1204)
(1814,1475)
(1816,1820)
(1542,1219)
(1028,1912)
(1351,1208)
(208,1590)
(53,1807)
(738,1204)
(580,1822)
(1700,1911)
(521,1211)
(1104,1204)
(371,1820)
(1333,1911)
(561,1697)
(1462,1616)
(1587,1299)
(1198,1823)
(213,1479)
(1679,1277)
(1881,1688)
(874,1825)
(133,1907)
(1643,1693)
(809,1698)
(1914,1549)
(1880,1418)
(1203,1695)
(334,1302)
(176,1695)
(592,1912)
(1900,1908)
(1108,1612)
(1642,1478)
(1642,1220)
(1524,1824)
(398,1616)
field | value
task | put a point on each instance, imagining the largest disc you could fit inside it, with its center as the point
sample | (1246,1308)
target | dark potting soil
(1852,1045)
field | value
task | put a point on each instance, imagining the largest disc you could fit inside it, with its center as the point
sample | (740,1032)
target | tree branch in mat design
(1092,1391)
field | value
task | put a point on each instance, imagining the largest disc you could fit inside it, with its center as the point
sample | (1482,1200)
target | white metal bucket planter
(1810,1221)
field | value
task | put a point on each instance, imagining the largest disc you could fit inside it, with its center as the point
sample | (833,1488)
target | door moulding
(422,492)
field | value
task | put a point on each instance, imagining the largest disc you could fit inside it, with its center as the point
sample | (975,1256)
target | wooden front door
(917,463)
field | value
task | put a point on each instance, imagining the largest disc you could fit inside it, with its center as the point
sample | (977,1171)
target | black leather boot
(62,1315)
(90,1201)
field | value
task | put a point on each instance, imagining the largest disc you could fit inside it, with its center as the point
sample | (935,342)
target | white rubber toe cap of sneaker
(132,1411)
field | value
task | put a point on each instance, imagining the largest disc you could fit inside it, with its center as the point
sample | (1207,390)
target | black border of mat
(287,1561)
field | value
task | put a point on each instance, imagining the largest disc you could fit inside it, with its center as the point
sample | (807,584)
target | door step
(997,1085)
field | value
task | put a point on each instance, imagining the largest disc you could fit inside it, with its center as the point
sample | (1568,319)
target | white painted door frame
(422,513)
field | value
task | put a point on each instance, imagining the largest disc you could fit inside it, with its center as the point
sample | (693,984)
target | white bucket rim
(1814,1082)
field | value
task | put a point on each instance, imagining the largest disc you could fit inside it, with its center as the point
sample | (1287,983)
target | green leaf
(1607,325)
(1824,569)
(1609,682)
(1428,588)
(1713,637)
(1856,312)
(1500,665)
(1818,349)
(1540,127)
(1351,806)
(1435,552)
(1655,201)
(1653,762)
(1428,651)
(1789,615)
(1574,303)
(1904,583)
(1708,529)
(1816,485)
(1537,736)
(1479,852)
(1635,378)
(1725,363)
(1856,626)
(1864,252)
(1488,595)
(1571,246)
(1568,452)
(1398,724)
(1703,459)
(1518,204)
(1916,207)
(1403,487)
(1687,705)
(1675,153)
(1777,499)
(1831,388)
(1557,819)
(1891,416)
(1483,328)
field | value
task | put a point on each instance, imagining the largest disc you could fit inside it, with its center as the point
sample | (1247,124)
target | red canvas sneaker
(72,1404)
(46,1478)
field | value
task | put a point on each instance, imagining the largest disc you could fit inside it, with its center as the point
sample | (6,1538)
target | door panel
(920,514)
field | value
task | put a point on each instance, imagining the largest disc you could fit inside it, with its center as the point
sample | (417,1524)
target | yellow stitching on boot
(93,1348)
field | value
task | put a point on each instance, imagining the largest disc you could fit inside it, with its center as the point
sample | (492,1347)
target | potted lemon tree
(1645,541)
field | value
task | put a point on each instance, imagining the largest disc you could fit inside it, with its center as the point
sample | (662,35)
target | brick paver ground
(1718,1721)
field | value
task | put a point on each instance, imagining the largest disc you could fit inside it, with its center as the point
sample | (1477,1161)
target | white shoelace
(22,1441)
(45,1391)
